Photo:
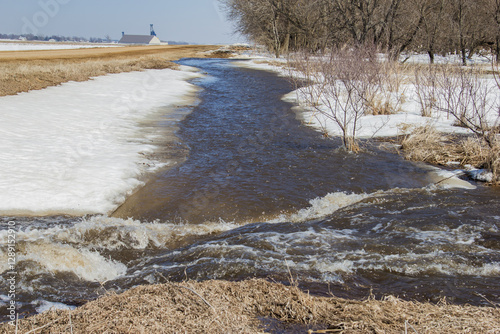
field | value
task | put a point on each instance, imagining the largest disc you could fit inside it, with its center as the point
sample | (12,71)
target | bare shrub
(425,83)
(343,84)
(390,94)
(475,104)
(468,96)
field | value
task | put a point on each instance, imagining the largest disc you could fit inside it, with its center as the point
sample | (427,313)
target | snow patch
(78,148)
(50,46)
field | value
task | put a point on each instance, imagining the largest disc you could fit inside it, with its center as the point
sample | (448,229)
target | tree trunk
(431,56)
(464,55)
(497,48)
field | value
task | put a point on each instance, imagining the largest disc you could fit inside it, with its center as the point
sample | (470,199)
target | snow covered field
(49,46)
(76,148)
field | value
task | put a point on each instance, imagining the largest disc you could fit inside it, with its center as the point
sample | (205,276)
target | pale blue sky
(194,21)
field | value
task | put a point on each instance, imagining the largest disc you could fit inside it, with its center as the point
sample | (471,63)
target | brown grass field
(22,71)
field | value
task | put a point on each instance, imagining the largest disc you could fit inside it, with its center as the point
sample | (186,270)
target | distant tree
(433,26)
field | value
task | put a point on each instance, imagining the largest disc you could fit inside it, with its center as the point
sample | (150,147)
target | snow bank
(78,148)
(49,46)
(419,58)
(371,126)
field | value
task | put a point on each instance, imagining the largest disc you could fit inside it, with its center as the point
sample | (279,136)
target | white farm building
(150,39)
(140,39)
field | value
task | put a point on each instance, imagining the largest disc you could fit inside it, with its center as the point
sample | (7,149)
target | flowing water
(256,193)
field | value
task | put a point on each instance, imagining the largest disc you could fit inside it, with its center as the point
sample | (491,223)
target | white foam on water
(320,254)
(114,233)
(323,206)
(458,236)
(44,306)
(76,248)
(86,264)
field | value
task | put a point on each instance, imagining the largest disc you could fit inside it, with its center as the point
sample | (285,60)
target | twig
(70,323)
(326,331)
(449,177)
(406,327)
(482,296)
(292,281)
(196,293)
(42,327)
(185,287)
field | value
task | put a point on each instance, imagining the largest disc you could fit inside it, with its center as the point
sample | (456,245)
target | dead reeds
(240,307)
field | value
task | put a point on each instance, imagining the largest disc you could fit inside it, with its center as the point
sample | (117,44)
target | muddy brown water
(256,193)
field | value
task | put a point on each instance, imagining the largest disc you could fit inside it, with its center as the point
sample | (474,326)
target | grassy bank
(22,71)
(255,306)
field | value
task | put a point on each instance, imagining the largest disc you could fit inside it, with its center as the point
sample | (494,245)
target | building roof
(137,39)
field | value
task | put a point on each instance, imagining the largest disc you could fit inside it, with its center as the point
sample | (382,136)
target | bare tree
(394,25)
(262,21)
(433,24)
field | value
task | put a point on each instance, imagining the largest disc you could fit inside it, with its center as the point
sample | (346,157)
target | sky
(193,21)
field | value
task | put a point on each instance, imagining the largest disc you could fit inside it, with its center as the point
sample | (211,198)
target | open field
(255,306)
(21,71)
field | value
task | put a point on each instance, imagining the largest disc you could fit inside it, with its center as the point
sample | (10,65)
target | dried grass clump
(380,105)
(221,54)
(425,143)
(236,307)
(428,145)
(473,152)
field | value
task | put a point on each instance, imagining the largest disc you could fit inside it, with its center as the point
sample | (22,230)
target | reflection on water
(261,195)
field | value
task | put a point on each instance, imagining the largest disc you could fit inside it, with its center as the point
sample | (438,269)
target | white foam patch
(86,264)
(44,306)
(114,233)
(323,206)
(77,148)
(76,248)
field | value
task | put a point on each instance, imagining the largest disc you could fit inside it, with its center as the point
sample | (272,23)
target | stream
(256,193)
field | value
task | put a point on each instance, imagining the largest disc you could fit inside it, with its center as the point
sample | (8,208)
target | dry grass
(23,77)
(22,71)
(428,145)
(236,307)
(425,143)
